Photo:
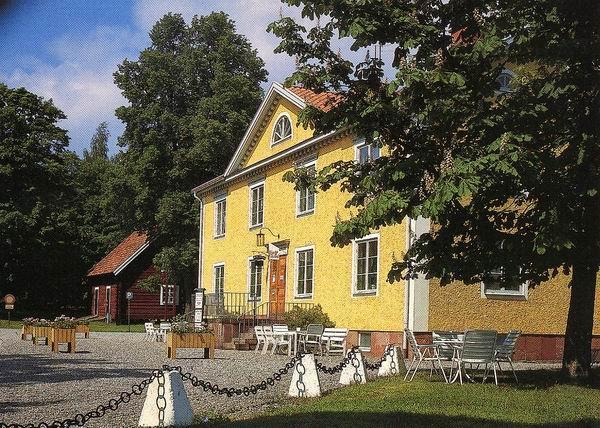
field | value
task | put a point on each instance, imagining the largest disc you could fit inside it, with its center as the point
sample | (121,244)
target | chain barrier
(161,401)
(300,369)
(231,391)
(81,419)
(375,366)
(338,367)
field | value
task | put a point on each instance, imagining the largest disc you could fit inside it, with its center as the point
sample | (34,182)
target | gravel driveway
(37,385)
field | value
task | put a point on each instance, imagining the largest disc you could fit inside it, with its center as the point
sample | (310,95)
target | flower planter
(26,331)
(41,332)
(62,335)
(83,328)
(190,340)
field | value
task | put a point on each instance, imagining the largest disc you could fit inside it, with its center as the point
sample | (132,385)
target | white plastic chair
(260,337)
(420,353)
(163,329)
(150,331)
(334,340)
(269,339)
(282,336)
(312,337)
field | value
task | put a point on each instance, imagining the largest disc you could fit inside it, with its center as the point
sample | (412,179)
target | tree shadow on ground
(19,369)
(383,419)
(13,406)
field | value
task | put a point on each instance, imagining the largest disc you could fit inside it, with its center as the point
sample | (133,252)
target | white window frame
(300,213)
(96,300)
(107,300)
(364,348)
(355,243)
(505,89)
(249,281)
(289,137)
(175,294)
(520,294)
(251,188)
(219,230)
(297,252)
(215,266)
(361,142)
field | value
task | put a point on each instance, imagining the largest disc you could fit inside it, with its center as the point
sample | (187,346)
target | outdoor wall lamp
(260,236)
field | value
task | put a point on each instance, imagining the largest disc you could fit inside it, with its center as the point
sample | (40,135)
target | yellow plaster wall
(333,265)
(458,306)
(263,148)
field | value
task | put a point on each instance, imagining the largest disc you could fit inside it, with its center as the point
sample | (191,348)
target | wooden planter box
(26,331)
(41,332)
(83,328)
(62,335)
(191,340)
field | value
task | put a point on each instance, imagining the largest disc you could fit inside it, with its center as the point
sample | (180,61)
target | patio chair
(150,331)
(260,337)
(282,336)
(420,353)
(312,337)
(163,329)
(479,348)
(506,349)
(334,340)
(269,339)
(446,342)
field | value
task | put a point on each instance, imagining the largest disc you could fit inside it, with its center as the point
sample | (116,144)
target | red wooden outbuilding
(119,272)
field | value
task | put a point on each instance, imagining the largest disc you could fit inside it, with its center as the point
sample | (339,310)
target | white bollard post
(305,378)
(389,366)
(354,372)
(177,409)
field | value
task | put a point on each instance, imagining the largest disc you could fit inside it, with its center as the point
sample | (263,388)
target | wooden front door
(277,285)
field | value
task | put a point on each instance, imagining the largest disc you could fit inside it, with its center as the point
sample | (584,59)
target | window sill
(303,296)
(364,293)
(283,140)
(305,213)
(503,296)
(255,226)
(219,236)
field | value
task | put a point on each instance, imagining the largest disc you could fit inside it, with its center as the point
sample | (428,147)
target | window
(366,265)
(364,341)
(305,197)
(257,195)
(256,277)
(365,152)
(282,129)
(304,272)
(96,301)
(168,295)
(220,215)
(219,279)
(498,283)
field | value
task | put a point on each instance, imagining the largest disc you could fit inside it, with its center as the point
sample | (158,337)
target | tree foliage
(191,95)
(508,178)
(38,251)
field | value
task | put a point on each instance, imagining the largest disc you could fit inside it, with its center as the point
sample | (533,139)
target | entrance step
(229,345)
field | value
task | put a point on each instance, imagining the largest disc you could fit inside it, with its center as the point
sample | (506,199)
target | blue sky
(67,50)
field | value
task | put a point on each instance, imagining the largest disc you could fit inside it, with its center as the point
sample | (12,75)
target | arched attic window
(282,129)
(504,79)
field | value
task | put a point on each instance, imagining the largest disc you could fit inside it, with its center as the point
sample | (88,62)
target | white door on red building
(107,305)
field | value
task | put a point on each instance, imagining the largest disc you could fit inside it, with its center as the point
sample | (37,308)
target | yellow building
(302,267)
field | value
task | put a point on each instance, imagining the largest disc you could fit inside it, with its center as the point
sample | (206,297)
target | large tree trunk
(578,336)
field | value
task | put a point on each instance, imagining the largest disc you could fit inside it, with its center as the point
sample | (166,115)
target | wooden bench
(334,340)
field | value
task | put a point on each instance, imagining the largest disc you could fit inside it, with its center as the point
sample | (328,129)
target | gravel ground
(37,385)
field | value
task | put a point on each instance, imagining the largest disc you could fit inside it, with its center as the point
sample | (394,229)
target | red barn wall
(146,305)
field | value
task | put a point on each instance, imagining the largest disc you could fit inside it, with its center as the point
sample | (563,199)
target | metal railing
(267,313)
(227,305)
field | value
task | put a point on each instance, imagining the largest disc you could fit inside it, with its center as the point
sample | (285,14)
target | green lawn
(94,326)
(392,402)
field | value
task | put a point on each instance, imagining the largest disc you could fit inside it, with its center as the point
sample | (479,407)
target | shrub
(300,317)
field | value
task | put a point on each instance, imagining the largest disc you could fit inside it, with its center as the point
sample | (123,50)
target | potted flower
(184,335)
(83,326)
(27,328)
(63,331)
(42,328)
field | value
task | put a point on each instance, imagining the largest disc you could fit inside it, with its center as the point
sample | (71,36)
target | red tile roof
(119,254)
(323,101)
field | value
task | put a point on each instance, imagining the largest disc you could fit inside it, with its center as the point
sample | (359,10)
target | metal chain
(374,366)
(161,401)
(81,419)
(338,367)
(356,364)
(300,369)
(231,391)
